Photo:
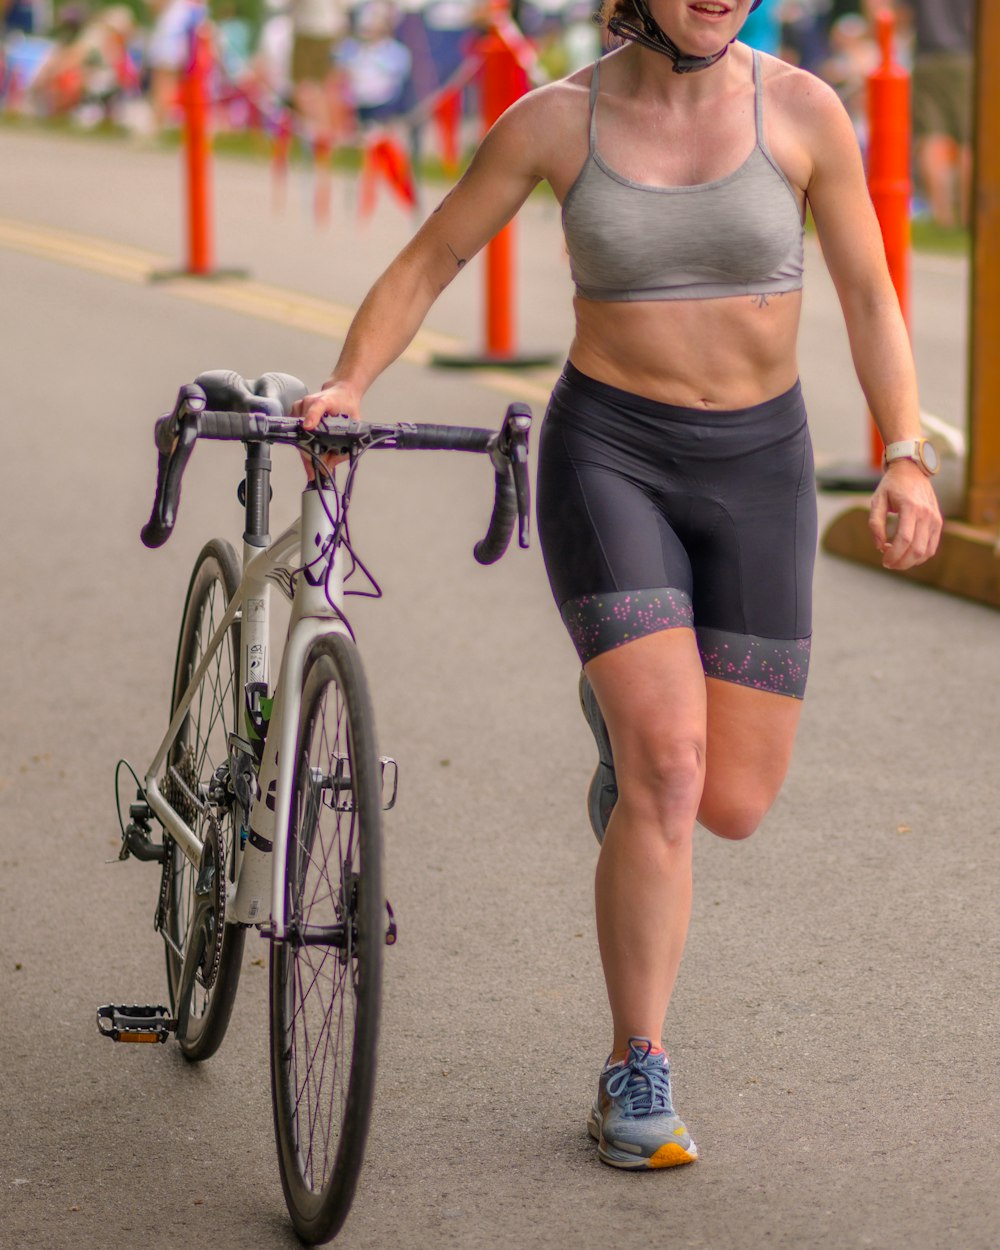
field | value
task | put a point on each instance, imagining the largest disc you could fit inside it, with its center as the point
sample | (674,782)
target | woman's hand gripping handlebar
(257,412)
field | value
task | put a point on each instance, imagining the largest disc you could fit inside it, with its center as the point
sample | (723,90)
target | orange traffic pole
(889,178)
(503,80)
(197,153)
(499,90)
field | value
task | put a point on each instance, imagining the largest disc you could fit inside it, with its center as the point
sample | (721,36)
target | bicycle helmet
(650,35)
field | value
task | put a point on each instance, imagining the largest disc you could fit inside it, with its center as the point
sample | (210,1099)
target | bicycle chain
(212,957)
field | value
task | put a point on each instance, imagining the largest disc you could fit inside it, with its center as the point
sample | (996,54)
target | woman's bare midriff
(714,353)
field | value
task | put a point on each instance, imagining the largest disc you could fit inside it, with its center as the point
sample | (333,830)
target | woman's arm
(855,257)
(502,174)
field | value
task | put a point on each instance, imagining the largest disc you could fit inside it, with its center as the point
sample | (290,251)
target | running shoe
(633,1118)
(603,792)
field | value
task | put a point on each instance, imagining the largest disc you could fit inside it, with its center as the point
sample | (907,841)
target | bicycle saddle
(226,391)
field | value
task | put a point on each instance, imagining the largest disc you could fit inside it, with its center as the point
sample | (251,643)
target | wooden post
(983,466)
(968,563)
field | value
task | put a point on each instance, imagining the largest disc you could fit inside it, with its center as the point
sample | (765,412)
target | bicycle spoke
(324,1009)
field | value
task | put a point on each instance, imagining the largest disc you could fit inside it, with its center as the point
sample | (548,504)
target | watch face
(929,456)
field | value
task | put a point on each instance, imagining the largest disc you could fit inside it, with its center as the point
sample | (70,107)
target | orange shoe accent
(671,1155)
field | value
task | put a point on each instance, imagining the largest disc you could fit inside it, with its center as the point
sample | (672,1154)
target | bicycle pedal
(390,928)
(135,1024)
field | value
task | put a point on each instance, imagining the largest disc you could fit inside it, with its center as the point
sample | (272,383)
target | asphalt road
(834,1029)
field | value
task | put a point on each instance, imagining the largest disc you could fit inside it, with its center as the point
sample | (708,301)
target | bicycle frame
(310,542)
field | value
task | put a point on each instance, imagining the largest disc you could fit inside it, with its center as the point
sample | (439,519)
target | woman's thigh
(749,739)
(652,693)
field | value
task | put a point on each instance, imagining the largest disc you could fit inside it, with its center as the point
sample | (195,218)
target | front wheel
(326,976)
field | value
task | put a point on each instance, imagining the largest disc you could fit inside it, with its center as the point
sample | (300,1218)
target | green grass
(928,237)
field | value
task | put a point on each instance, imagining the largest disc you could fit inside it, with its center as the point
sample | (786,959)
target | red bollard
(194,94)
(197,153)
(889,178)
(503,80)
(502,84)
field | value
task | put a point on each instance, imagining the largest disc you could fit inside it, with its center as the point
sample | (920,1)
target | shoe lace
(642,1083)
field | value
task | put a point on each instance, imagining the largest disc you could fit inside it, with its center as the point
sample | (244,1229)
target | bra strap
(758,99)
(594,80)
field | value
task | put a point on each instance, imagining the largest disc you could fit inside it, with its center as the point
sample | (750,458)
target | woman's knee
(732,818)
(662,780)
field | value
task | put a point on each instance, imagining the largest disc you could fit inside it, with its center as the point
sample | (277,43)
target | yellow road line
(239,295)
(116,260)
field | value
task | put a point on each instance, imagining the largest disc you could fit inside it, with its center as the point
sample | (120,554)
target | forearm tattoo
(459,260)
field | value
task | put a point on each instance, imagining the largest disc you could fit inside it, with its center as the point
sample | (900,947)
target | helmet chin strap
(650,35)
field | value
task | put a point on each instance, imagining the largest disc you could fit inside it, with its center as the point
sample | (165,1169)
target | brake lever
(175,436)
(190,399)
(514,442)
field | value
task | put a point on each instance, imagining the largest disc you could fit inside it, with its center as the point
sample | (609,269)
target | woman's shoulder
(551,117)
(808,128)
(559,100)
(799,94)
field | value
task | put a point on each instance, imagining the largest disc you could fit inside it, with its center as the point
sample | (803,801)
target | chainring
(214,853)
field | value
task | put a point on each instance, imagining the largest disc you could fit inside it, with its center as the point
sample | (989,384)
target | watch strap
(907,449)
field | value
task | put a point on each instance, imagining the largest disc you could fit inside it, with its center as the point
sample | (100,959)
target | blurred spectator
(317,88)
(581,35)
(942,105)
(168,53)
(234,40)
(804,26)
(449,27)
(762,29)
(26,17)
(853,56)
(90,70)
(272,62)
(375,63)
(56,84)
(234,86)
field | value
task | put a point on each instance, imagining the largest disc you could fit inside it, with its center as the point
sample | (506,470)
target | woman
(676,505)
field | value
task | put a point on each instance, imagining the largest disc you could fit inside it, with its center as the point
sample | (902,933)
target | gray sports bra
(738,235)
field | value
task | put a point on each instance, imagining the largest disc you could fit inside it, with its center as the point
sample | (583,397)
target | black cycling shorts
(653,516)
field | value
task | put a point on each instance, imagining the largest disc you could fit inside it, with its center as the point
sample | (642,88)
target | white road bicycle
(270,795)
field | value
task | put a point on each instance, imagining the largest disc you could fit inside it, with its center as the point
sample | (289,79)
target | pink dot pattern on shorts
(598,623)
(777,665)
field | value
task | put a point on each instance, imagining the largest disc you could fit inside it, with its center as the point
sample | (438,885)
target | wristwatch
(920,450)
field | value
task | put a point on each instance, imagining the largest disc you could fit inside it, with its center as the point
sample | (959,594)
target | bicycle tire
(326,999)
(199,748)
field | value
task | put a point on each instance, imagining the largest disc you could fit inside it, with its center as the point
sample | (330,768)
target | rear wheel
(200,747)
(326,977)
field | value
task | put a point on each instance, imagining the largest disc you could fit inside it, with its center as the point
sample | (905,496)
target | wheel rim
(201,746)
(323,984)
